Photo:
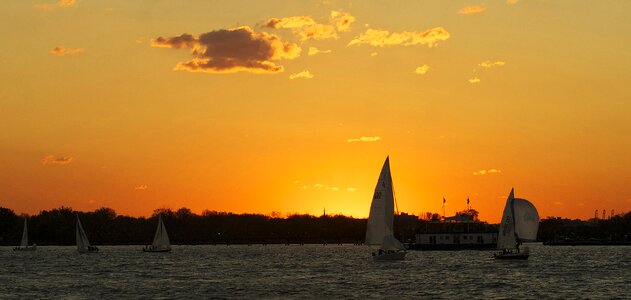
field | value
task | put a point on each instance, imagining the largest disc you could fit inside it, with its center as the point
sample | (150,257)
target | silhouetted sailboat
(83,245)
(520,222)
(161,241)
(379,230)
(24,243)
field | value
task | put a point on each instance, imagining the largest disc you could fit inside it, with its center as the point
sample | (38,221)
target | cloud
(314,51)
(308,29)
(52,160)
(58,4)
(511,2)
(422,69)
(558,203)
(61,51)
(485,172)
(141,187)
(318,186)
(490,64)
(474,9)
(231,50)
(383,38)
(374,54)
(366,139)
(474,80)
(296,181)
(304,74)
(350,189)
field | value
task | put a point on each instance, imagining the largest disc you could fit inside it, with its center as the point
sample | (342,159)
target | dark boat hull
(511,256)
(156,251)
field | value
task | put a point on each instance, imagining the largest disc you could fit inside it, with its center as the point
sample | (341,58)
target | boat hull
(512,256)
(394,256)
(94,250)
(27,248)
(155,250)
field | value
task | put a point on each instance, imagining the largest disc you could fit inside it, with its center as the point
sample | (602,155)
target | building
(455,234)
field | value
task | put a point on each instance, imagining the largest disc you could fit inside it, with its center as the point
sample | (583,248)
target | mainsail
(24,242)
(82,239)
(379,230)
(161,239)
(520,222)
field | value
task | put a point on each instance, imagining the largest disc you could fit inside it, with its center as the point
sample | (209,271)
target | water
(311,271)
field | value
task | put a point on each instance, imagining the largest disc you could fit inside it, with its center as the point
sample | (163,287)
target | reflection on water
(312,271)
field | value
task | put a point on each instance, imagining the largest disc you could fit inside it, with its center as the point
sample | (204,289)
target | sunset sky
(292,106)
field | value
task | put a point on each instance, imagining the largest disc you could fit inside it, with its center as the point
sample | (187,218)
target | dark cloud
(231,50)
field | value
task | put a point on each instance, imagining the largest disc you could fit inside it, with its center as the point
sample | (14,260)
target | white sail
(82,239)
(380,220)
(161,239)
(506,238)
(24,242)
(526,220)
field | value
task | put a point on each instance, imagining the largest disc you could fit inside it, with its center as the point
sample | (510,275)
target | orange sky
(261,106)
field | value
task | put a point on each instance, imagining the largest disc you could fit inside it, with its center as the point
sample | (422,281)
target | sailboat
(24,243)
(83,245)
(161,241)
(379,230)
(520,222)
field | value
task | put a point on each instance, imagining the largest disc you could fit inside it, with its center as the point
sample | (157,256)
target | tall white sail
(82,239)
(161,239)
(526,220)
(506,238)
(24,242)
(379,230)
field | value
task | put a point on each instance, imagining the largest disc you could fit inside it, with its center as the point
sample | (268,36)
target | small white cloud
(350,189)
(296,181)
(52,160)
(490,64)
(318,186)
(314,51)
(58,4)
(141,187)
(365,139)
(304,74)
(304,187)
(374,54)
(61,51)
(485,172)
(474,80)
(422,69)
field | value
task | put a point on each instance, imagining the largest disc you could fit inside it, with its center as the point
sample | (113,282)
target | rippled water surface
(313,271)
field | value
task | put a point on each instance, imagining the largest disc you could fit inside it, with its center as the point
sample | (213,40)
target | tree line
(105,227)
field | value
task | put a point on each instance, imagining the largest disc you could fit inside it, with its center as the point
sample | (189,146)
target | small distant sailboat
(379,230)
(520,222)
(24,243)
(83,245)
(161,241)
